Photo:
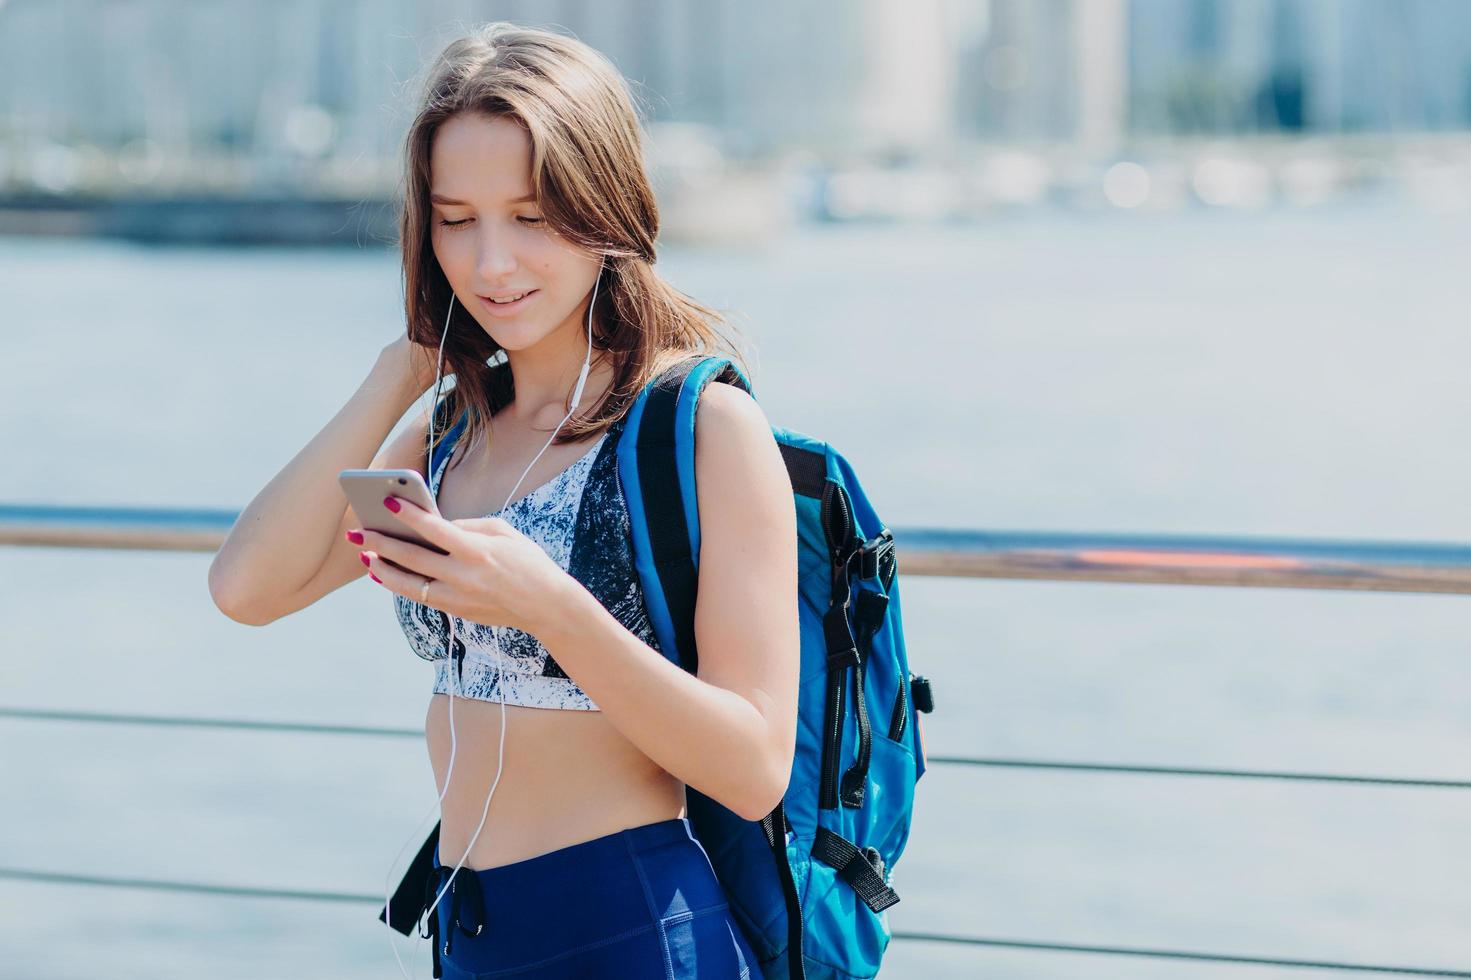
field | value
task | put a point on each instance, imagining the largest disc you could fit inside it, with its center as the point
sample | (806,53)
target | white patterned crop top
(580,519)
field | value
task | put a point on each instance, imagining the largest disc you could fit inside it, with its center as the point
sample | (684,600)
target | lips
(504,309)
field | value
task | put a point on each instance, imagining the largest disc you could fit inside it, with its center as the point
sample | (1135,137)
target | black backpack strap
(669,533)
(844,657)
(863,869)
(407,904)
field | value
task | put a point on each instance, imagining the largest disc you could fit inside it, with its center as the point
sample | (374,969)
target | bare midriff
(568,777)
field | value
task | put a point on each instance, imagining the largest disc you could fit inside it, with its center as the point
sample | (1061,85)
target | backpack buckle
(869,609)
(920,693)
(842,649)
(871,553)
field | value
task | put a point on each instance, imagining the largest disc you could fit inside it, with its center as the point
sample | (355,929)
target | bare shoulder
(740,475)
(725,398)
(730,423)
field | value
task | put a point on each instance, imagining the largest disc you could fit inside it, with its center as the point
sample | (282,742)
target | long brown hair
(588,176)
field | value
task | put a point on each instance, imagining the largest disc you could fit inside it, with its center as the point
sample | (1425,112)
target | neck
(546,373)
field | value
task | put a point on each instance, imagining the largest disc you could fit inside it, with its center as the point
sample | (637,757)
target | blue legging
(640,903)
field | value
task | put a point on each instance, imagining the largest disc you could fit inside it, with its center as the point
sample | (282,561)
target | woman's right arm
(287,548)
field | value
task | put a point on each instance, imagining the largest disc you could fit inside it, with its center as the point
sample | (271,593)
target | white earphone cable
(449,772)
(499,681)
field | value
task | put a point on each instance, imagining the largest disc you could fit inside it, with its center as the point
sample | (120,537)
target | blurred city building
(784,107)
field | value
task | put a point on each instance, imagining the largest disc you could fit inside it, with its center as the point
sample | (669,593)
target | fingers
(430,526)
(412,557)
(408,584)
(395,580)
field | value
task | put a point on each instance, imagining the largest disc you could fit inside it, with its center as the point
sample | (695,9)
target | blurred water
(1293,373)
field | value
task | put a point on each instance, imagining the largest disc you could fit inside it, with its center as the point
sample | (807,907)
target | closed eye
(463,221)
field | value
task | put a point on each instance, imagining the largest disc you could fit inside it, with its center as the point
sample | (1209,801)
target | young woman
(555,725)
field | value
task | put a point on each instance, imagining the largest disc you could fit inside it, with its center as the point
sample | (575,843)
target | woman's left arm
(730,731)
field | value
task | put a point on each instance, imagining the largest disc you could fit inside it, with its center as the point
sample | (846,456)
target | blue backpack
(808,883)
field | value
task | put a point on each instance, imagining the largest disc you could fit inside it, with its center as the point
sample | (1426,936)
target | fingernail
(355,537)
(364,556)
(391,503)
(375,578)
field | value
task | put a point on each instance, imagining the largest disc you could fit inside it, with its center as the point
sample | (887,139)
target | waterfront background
(1233,357)
(1287,375)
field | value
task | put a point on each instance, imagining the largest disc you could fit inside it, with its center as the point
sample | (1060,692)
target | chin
(517,337)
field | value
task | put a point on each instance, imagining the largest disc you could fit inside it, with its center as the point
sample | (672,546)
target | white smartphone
(365,490)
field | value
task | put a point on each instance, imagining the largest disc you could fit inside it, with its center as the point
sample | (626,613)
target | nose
(496,260)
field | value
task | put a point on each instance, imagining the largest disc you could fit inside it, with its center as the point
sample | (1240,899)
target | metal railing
(1378,566)
(1375,566)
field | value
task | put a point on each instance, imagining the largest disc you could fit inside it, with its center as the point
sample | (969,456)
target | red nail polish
(364,556)
(355,537)
(375,578)
(391,504)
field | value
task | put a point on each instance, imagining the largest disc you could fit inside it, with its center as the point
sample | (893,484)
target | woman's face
(496,242)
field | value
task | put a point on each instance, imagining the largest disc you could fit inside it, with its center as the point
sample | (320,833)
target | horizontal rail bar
(1373,566)
(113,718)
(1182,771)
(50,877)
(1412,971)
(240,891)
(130,528)
(43,714)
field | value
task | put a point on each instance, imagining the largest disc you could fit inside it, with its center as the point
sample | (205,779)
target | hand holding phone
(365,490)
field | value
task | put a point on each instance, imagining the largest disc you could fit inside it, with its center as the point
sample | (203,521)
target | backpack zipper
(836,697)
(901,711)
(838,627)
(837,523)
(856,778)
(868,615)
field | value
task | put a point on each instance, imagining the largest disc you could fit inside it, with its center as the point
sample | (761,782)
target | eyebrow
(441,199)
